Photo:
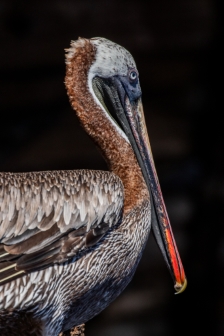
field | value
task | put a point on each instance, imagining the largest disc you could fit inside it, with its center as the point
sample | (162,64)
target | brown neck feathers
(115,149)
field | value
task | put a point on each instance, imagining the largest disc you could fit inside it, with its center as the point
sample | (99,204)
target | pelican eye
(133,75)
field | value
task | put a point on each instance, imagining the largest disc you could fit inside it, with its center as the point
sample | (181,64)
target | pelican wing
(48,217)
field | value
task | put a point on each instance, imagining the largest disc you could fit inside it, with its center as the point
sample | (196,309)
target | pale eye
(133,75)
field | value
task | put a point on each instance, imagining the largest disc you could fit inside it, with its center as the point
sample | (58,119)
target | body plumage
(101,272)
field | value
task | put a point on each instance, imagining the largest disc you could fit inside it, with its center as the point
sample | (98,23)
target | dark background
(177,45)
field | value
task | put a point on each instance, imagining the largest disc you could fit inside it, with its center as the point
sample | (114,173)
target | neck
(116,150)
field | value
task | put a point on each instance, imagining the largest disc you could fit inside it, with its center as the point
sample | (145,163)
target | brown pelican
(71,240)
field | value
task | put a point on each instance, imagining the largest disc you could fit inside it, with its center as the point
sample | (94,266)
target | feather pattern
(42,208)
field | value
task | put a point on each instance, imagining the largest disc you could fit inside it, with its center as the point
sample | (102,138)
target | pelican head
(107,74)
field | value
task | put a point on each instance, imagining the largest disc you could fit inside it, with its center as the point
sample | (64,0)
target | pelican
(70,241)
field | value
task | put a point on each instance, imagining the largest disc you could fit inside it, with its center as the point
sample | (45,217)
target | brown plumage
(118,153)
(19,323)
(70,241)
(41,210)
(77,331)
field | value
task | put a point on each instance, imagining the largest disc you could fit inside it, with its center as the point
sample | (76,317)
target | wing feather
(48,217)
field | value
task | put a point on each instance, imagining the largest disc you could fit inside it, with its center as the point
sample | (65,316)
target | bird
(70,241)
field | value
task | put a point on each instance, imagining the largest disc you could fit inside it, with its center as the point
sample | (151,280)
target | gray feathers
(73,208)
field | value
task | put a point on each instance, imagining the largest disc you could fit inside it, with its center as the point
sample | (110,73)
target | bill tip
(179,288)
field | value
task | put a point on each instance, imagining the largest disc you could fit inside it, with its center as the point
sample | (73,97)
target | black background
(177,45)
